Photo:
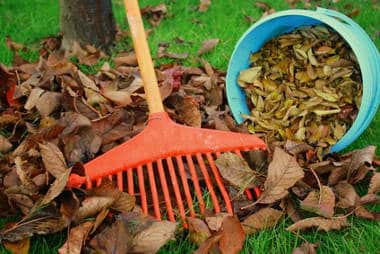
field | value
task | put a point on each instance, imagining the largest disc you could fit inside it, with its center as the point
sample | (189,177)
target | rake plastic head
(170,153)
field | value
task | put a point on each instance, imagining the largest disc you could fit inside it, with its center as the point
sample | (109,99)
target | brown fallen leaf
(283,173)
(53,159)
(320,202)
(233,236)
(319,223)
(48,102)
(99,219)
(359,158)
(295,148)
(69,204)
(187,110)
(374,185)
(42,222)
(14,46)
(210,245)
(20,247)
(154,13)
(264,218)
(5,145)
(207,46)
(236,171)
(291,211)
(262,5)
(26,182)
(115,239)
(204,5)
(215,222)
(151,239)
(370,199)
(76,238)
(93,205)
(306,248)
(128,59)
(73,122)
(346,194)
(198,230)
(362,212)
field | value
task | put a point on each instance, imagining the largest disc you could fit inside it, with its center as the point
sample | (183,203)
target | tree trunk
(87,22)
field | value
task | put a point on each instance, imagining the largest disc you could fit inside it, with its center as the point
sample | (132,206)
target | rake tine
(131,190)
(165,190)
(220,183)
(99,181)
(156,205)
(197,188)
(120,180)
(208,182)
(185,185)
(140,177)
(177,192)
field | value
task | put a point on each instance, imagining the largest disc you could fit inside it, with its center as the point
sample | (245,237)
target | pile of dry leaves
(54,117)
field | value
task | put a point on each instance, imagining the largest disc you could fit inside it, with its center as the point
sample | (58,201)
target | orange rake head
(165,150)
(169,152)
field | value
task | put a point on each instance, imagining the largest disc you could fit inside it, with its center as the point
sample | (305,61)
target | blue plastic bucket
(286,21)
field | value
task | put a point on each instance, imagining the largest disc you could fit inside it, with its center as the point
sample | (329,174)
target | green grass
(29,21)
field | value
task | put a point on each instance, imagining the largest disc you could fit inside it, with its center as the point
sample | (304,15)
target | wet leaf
(76,238)
(198,230)
(320,202)
(319,223)
(207,46)
(262,219)
(233,236)
(283,173)
(150,240)
(236,171)
(20,247)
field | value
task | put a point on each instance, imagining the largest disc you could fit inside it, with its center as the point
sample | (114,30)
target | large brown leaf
(236,171)
(151,239)
(283,173)
(93,205)
(262,219)
(76,239)
(233,236)
(115,239)
(198,230)
(319,223)
(215,222)
(374,185)
(188,111)
(53,159)
(320,202)
(44,221)
(359,158)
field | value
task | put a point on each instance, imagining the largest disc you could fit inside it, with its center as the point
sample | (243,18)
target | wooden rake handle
(144,58)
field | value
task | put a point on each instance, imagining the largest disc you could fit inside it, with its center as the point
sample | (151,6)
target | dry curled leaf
(215,222)
(53,159)
(236,171)
(150,240)
(262,219)
(319,223)
(283,173)
(198,230)
(93,205)
(207,46)
(76,238)
(320,202)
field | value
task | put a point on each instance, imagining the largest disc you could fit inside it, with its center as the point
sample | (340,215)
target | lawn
(29,21)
